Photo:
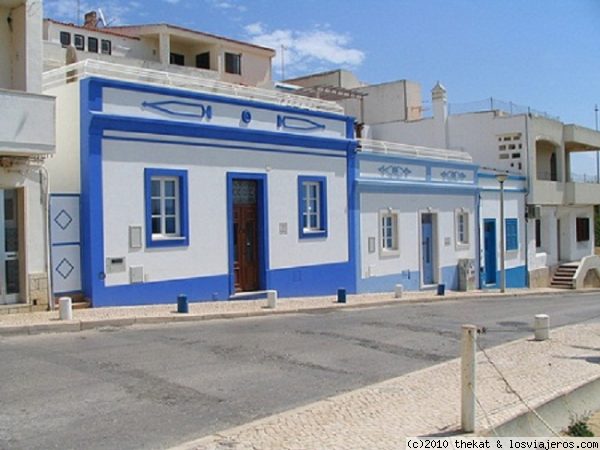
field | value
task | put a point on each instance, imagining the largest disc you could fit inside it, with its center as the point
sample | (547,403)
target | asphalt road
(158,386)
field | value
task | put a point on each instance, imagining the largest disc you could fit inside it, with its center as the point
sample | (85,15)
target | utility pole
(597,151)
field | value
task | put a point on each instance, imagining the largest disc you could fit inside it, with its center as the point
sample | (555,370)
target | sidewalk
(83,319)
(427,402)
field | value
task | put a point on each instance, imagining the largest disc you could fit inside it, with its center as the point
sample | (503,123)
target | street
(157,386)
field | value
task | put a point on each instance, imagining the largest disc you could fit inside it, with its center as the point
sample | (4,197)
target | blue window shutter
(512,234)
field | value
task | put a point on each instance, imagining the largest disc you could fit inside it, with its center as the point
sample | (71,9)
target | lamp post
(501,178)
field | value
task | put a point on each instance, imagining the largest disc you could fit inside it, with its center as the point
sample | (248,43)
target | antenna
(283,63)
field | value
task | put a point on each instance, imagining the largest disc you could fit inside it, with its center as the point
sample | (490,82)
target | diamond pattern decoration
(64,268)
(63,219)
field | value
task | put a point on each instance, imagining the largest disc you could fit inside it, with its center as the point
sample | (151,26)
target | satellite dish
(101,19)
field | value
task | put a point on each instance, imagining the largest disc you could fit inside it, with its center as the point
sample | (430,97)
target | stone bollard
(272,299)
(541,326)
(65,308)
(398,290)
(468,377)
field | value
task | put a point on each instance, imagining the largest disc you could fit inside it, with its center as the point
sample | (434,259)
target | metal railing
(494,104)
(394,148)
(89,67)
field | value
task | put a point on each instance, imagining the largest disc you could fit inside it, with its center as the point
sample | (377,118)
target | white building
(500,136)
(560,209)
(159,47)
(186,191)
(26,140)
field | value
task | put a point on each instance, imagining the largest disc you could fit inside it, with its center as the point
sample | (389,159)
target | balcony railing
(394,148)
(494,104)
(90,67)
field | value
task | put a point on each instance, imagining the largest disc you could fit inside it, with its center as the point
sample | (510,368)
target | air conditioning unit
(534,212)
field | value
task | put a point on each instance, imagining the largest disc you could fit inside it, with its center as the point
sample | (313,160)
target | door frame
(434,249)
(494,247)
(262,227)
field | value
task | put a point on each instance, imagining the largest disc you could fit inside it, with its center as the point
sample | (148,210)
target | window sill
(309,234)
(167,242)
(389,254)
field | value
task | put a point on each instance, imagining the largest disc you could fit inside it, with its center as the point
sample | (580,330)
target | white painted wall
(123,172)
(64,166)
(409,208)
(571,250)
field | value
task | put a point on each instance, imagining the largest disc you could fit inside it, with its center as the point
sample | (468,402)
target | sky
(544,54)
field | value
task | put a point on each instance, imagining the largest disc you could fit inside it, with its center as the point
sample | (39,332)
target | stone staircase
(564,276)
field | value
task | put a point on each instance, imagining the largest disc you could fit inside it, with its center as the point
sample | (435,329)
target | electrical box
(115,264)
(136,274)
(135,236)
(466,275)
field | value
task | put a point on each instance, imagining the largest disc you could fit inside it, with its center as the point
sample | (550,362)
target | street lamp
(501,178)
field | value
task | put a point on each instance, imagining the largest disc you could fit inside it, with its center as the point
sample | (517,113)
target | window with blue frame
(312,206)
(166,195)
(512,234)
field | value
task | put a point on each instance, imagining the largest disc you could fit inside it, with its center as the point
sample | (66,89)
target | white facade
(528,145)
(26,139)
(212,147)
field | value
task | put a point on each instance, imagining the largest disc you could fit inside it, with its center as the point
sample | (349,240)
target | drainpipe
(45,200)
(527,190)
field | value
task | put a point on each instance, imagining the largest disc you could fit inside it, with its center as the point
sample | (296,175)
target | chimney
(90,20)
(439,102)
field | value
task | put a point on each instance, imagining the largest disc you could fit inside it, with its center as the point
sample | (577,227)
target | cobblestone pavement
(427,402)
(38,322)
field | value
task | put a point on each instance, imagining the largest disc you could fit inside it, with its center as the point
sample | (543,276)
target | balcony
(28,125)
(582,193)
(545,192)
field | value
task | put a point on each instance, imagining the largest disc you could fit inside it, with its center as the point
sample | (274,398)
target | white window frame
(307,211)
(465,240)
(162,214)
(393,227)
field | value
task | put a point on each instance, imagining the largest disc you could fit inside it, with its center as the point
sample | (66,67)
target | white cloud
(172,2)
(317,49)
(227,5)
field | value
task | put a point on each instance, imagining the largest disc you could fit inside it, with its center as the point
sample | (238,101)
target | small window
(512,234)
(462,228)
(166,207)
(79,42)
(92,45)
(388,232)
(177,59)
(312,206)
(65,38)
(504,156)
(538,233)
(233,63)
(203,60)
(516,155)
(502,147)
(583,229)
(106,47)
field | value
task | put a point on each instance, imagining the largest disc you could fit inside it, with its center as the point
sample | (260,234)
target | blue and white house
(188,191)
(416,211)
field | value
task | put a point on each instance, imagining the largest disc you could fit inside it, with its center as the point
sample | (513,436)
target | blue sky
(540,53)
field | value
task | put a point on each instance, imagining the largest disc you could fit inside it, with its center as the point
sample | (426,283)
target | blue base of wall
(303,281)
(196,289)
(294,282)
(516,277)
(409,280)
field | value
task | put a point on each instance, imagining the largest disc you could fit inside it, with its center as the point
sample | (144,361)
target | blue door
(489,250)
(427,248)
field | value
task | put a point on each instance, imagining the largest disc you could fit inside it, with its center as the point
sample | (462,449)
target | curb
(81,325)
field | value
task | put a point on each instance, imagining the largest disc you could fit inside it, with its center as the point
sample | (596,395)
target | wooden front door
(245,236)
